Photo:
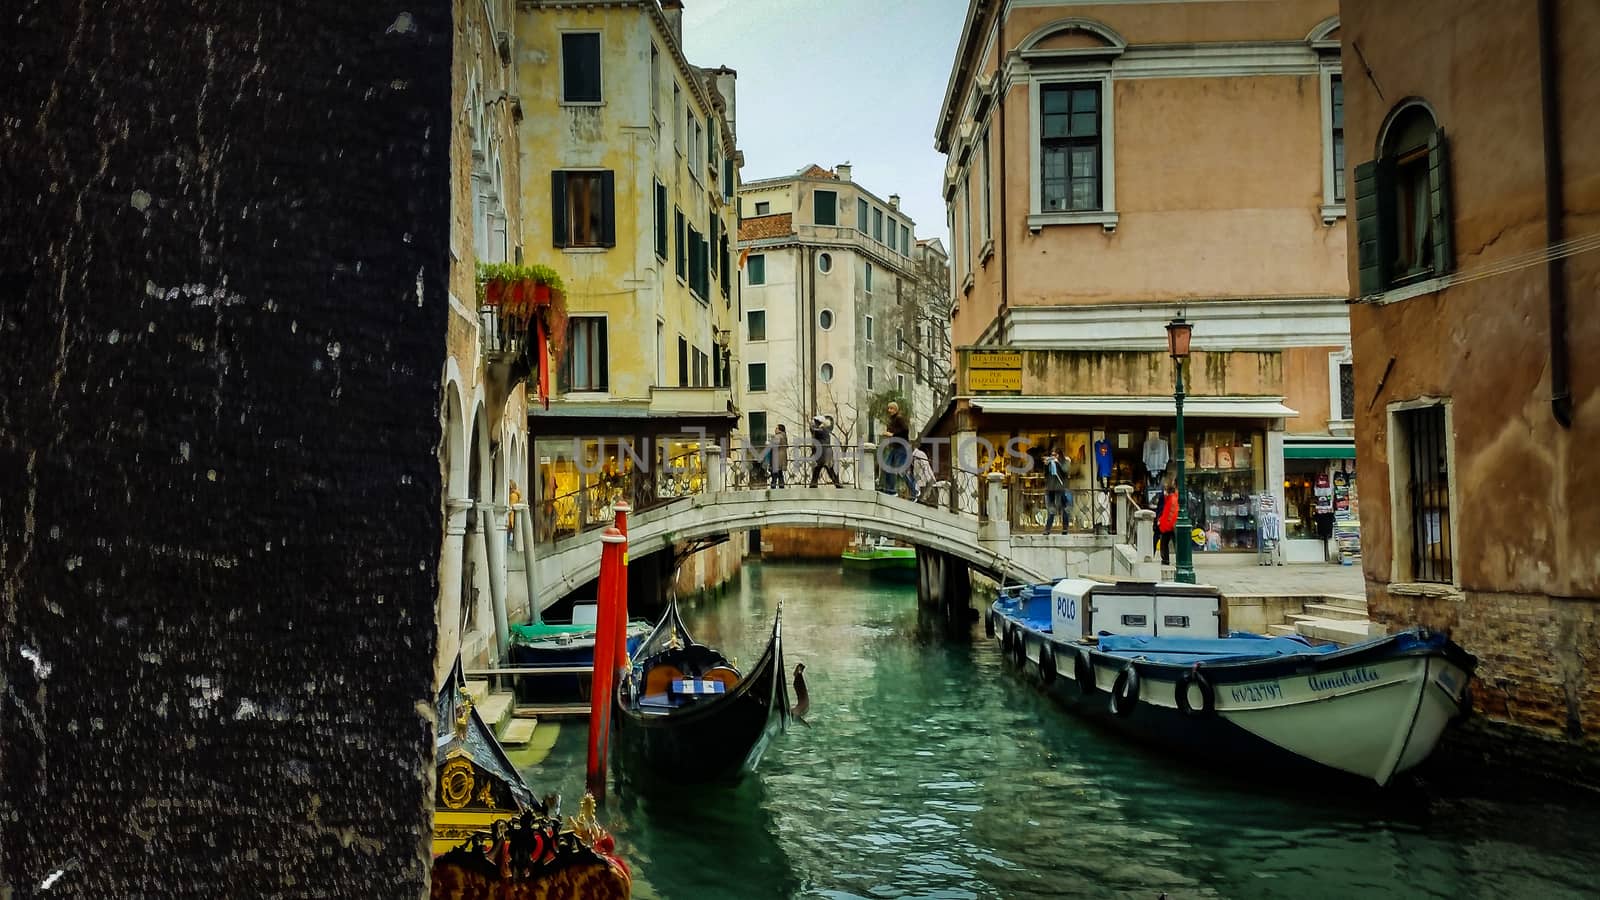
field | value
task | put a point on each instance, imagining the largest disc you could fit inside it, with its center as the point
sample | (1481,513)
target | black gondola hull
(718,738)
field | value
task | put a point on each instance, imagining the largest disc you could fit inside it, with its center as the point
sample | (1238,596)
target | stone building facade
(482,584)
(1476,185)
(829,272)
(629,171)
(1112,166)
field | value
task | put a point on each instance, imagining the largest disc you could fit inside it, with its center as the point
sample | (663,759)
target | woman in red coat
(1166,521)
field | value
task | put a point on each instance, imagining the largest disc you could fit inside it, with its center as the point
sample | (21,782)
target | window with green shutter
(583,209)
(757,267)
(861,216)
(1403,225)
(824,207)
(683,248)
(661,221)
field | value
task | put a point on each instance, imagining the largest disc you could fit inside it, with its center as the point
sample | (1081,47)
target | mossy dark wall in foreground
(223,249)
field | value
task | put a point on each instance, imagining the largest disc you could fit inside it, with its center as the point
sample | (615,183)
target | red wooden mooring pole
(613,589)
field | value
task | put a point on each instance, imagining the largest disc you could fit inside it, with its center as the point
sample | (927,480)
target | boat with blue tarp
(1156,660)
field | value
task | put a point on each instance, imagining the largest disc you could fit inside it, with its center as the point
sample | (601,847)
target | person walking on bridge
(822,450)
(780,456)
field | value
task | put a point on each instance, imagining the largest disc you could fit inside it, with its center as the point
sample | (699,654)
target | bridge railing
(750,467)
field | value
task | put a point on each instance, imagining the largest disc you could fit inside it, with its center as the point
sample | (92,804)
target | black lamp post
(1178,345)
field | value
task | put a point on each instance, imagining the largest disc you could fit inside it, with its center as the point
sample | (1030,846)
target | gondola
(476,783)
(686,715)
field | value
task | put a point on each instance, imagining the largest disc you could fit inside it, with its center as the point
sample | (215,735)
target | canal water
(930,770)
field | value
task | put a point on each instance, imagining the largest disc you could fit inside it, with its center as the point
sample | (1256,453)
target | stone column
(964,472)
(716,469)
(525,536)
(1274,467)
(478,540)
(867,467)
(494,517)
(1124,511)
(997,526)
(1144,530)
(450,568)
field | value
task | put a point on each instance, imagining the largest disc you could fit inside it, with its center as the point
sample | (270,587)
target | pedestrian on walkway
(822,450)
(1055,490)
(898,443)
(511,516)
(780,456)
(1166,521)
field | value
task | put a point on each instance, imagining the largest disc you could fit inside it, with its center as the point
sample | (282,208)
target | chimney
(673,10)
(894,201)
(843,171)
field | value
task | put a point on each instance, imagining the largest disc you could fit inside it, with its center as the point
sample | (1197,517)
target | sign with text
(994,379)
(995,359)
(994,370)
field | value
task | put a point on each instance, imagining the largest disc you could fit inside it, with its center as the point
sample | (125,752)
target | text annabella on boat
(1156,660)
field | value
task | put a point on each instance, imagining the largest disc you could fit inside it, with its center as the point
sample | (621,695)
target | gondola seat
(659,679)
(725,674)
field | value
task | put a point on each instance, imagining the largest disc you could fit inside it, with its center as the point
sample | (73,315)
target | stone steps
(1331,611)
(1339,631)
(518,732)
(1348,602)
(1282,630)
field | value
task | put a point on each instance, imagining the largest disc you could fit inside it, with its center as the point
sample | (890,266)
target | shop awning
(1193,407)
(1320,450)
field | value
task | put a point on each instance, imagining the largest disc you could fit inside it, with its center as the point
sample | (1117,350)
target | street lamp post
(1178,332)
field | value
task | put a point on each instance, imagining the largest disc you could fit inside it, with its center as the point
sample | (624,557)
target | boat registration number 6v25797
(1259,692)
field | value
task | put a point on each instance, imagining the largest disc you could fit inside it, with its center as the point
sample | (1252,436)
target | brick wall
(805,543)
(219,473)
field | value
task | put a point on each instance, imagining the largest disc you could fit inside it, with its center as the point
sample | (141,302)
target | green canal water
(930,770)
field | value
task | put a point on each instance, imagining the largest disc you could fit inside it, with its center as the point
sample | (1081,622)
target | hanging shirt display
(1155,454)
(1102,458)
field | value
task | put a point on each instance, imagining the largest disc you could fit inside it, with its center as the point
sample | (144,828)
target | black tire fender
(1019,648)
(1047,665)
(988,624)
(1125,691)
(1083,672)
(1208,694)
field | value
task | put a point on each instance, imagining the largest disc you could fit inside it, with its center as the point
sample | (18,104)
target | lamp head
(1178,332)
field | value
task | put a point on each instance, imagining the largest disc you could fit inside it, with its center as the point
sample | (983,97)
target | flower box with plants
(528,295)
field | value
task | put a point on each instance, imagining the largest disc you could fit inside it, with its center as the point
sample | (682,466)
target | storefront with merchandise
(1322,515)
(1112,441)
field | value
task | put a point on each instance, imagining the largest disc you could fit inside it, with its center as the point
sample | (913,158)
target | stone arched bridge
(986,547)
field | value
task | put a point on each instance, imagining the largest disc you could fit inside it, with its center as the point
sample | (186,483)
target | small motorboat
(1157,661)
(685,714)
(561,645)
(880,559)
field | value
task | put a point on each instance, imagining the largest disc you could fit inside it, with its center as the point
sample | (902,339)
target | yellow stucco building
(629,172)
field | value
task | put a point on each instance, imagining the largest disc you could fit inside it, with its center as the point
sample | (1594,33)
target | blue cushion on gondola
(659,701)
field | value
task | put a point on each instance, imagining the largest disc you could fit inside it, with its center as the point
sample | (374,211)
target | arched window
(1403,203)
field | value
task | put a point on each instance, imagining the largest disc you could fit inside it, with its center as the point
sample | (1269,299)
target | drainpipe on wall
(1555,265)
(810,279)
(1000,113)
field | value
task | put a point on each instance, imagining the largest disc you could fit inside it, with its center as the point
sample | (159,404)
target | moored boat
(476,784)
(1156,660)
(685,713)
(540,645)
(532,855)
(880,560)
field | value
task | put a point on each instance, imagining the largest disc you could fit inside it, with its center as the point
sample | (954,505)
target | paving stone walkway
(1241,575)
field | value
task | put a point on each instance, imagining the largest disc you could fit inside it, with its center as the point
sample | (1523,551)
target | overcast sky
(833,81)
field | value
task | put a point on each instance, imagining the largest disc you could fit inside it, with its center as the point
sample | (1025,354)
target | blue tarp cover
(1186,651)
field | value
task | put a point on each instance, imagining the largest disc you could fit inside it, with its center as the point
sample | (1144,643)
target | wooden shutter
(601,361)
(661,220)
(558,208)
(683,256)
(1439,196)
(564,363)
(1373,226)
(608,209)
